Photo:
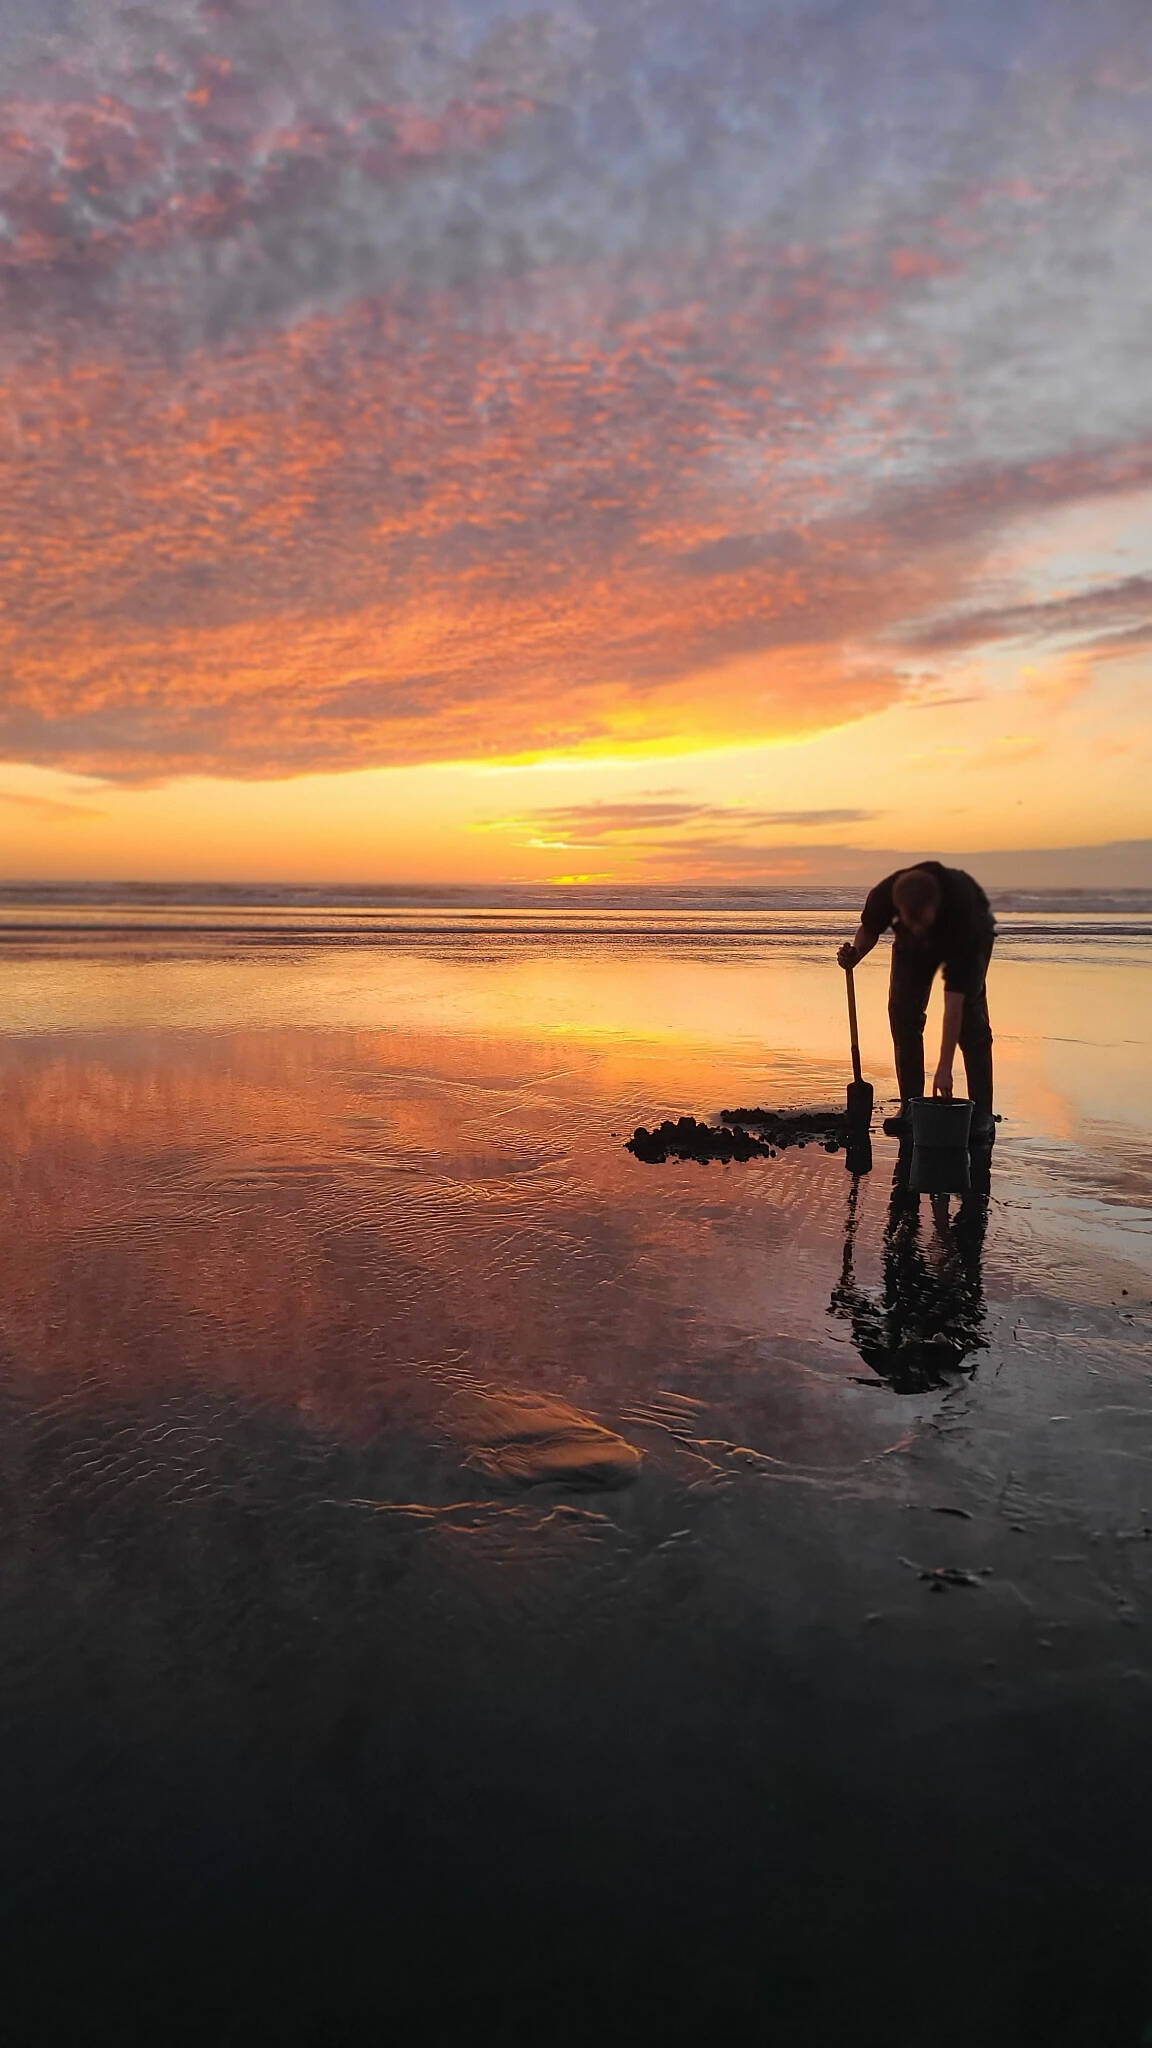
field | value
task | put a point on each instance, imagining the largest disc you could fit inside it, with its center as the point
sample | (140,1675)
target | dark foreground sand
(460,1583)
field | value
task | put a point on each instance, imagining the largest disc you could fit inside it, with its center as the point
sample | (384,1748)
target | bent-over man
(939,917)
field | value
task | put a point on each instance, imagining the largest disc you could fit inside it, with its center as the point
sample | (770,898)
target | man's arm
(875,918)
(950,1039)
(964,969)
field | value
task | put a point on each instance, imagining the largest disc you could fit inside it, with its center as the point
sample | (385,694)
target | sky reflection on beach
(309,1165)
(393,1465)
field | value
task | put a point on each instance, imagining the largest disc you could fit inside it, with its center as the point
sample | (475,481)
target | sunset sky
(628,440)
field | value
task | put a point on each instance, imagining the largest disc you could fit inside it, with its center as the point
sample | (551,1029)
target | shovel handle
(852,1025)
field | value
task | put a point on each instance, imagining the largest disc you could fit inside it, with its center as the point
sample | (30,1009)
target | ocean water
(462,1583)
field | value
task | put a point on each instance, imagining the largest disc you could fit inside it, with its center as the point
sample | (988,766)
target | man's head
(916,894)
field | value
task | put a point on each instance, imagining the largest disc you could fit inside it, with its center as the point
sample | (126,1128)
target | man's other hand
(848,957)
(942,1081)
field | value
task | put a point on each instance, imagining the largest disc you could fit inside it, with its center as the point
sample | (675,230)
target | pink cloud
(515,393)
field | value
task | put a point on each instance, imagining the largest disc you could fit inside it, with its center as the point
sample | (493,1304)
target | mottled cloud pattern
(384,383)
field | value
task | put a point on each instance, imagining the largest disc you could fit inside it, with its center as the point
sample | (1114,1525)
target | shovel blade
(860,1101)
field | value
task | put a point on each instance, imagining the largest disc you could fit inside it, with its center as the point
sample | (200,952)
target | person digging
(939,917)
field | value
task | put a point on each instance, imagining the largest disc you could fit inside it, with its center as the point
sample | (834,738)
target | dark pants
(912,977)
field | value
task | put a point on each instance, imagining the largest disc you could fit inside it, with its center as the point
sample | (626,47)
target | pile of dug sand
(732,1138)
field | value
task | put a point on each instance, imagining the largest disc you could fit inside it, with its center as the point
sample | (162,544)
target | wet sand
(461,1583)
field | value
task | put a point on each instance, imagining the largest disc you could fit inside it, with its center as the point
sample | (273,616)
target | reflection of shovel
(858,1153)
(860,1096)
(847,1276)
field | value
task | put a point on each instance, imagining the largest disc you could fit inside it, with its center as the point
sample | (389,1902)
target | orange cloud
(46,806)
(355,542)
(506,396)
(385,539)
(640,821)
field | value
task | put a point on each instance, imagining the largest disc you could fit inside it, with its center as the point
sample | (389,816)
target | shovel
(860,1095)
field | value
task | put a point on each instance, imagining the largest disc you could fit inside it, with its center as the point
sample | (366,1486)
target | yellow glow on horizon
(1007,758)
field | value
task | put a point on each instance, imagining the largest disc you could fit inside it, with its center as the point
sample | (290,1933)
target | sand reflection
(359,1188)
(398,1233)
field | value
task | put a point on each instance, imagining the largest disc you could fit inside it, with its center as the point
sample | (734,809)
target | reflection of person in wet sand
(930,1314)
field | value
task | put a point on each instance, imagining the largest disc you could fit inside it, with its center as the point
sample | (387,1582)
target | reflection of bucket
(939,1170)
(941,1119)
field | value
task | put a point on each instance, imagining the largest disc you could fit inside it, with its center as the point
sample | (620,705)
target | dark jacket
(961,937)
